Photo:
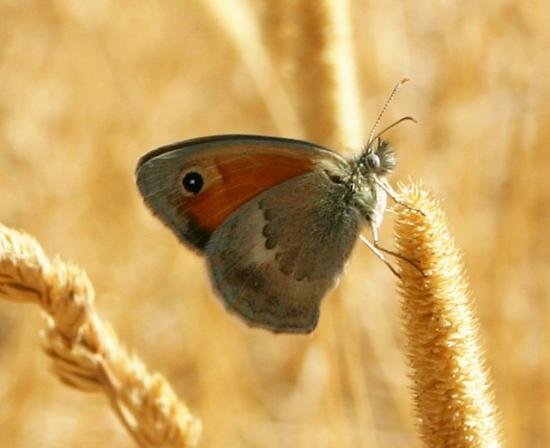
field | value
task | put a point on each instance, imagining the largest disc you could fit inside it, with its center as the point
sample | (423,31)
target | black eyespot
(193,182)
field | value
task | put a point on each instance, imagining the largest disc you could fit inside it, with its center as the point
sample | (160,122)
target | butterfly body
(276,219)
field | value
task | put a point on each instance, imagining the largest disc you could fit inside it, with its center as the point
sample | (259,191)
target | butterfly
(275,218)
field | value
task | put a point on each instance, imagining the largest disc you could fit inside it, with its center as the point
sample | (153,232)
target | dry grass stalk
(340,54)
(326,73)
(85,351)
(452,392)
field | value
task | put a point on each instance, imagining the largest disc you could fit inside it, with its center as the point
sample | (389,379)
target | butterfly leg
(395,196)
(376,251)
(398,255)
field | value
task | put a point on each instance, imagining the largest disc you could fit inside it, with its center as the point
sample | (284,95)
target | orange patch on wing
(240,179)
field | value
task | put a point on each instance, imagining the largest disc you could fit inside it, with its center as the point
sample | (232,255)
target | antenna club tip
(404,80)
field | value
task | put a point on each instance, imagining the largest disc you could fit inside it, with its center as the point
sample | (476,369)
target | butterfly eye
(373,161)
(193,182)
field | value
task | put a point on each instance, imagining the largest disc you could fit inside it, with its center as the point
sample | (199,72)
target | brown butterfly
(275,218)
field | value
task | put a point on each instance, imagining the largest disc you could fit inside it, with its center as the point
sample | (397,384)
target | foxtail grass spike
(451,387)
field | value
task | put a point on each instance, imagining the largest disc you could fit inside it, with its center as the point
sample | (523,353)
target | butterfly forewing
(232,170)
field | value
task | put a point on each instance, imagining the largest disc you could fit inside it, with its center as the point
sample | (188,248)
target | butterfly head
(378,160)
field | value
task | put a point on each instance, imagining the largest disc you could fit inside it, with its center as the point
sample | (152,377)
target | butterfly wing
(230,170)
(274,260)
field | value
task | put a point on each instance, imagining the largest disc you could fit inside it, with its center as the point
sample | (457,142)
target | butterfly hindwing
(274,260)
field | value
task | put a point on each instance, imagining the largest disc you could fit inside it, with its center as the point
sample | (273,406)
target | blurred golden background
(88,87)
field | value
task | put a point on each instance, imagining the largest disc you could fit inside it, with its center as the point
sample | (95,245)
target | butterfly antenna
(401,120)
(377,122)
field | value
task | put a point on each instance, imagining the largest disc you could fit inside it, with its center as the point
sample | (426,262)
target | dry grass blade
(236,19)
(452,392)
(86,353)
